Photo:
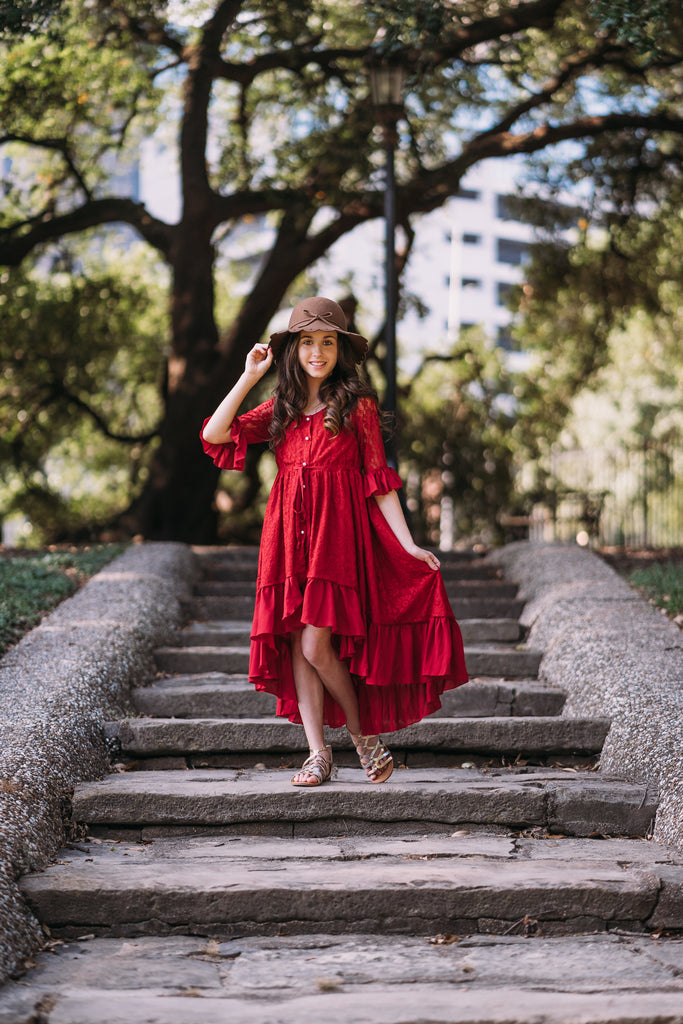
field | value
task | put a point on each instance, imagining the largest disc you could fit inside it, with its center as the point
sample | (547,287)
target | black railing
(623,497)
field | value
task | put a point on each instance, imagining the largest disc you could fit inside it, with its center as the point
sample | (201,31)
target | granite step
(458,885)
(528,737)
(246,570)
(493,660)
(235,632)
(603,978)
(242,607)
(209,556)
(454,588)
(416,801)
(218,694)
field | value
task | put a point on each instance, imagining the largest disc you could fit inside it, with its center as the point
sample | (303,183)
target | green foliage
(31,585)
(663,585)
(457,433)
(645,25)
(18,17)
(81,358)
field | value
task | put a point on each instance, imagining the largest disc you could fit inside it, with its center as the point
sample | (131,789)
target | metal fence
(624,497)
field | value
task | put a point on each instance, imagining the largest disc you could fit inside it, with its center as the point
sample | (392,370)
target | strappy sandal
(375,758)
(319,764)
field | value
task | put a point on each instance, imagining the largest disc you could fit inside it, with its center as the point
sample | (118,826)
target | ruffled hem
(400,672)
(230,454)
(283,607)
(381,481)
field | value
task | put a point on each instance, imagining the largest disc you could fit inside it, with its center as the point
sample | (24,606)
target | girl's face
(318,353)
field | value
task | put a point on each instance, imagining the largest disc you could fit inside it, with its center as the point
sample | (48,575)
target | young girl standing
(352,624)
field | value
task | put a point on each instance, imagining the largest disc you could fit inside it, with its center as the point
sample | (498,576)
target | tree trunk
(176,502)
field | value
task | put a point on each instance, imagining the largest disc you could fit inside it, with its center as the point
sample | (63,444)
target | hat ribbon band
(311,318)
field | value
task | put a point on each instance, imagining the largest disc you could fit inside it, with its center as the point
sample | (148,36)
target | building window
(502,293)
(465,325)
(506,341)
(471,282)
(471,239)
(505,208)
(447,237)
(467,193)
(510,251)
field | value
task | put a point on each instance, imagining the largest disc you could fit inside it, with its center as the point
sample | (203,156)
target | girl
(352,624)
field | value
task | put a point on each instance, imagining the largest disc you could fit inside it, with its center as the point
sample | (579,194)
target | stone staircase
(496,829)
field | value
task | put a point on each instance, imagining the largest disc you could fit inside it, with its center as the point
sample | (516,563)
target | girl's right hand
(259,361)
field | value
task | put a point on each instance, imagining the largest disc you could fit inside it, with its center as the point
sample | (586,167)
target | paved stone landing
(353,979)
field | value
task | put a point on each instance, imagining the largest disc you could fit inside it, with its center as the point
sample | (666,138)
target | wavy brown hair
(340,391)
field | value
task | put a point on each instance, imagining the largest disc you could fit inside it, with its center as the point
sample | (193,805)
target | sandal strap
(372,758)
(317,763)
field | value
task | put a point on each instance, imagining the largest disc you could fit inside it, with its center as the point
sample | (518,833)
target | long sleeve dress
(329,558)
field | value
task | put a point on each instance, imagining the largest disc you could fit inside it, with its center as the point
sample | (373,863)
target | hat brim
(359,344)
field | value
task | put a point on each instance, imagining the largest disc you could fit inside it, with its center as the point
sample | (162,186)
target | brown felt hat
(319,314)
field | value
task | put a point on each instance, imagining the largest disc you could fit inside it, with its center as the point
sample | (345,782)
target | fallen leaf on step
(443,940)
(329,983)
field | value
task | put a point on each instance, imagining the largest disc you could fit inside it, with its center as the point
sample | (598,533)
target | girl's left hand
(425,556)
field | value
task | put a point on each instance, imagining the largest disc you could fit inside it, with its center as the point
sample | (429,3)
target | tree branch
(57,145)
(201,62)
(16,242)
(538,14)
(79,403)
(428,190)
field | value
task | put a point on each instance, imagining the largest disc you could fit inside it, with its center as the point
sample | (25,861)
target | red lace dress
(329,558)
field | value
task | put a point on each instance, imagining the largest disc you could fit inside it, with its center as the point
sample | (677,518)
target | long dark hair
(340,391)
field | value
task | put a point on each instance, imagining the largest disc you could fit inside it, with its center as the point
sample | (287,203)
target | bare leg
(316,647)
(310,697)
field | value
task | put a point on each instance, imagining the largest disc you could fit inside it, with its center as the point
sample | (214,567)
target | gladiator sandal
(375,758)
(318,764)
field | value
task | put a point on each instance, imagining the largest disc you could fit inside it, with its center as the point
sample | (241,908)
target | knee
(316,647)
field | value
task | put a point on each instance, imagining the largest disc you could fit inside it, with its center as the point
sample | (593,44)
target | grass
(662,583)
(31,584)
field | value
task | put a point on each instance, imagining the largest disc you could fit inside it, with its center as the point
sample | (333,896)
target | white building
(465,257)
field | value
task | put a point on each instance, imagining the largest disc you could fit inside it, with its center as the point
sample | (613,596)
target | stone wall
(616,656)
(57,687)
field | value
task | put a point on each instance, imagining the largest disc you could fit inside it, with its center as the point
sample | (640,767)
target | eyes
(325,341)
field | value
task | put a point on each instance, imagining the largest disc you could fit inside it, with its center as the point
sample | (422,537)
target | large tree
(272,113)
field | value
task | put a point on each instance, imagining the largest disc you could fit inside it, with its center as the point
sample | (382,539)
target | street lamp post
(387,81)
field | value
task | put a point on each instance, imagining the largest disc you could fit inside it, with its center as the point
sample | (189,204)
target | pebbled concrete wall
(616,656)
(57,687)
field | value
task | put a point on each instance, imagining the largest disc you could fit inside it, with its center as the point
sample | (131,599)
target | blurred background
(174,176)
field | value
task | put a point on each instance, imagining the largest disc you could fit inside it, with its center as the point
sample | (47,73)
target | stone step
(246,570)
(417,801)
(216,694)
(494,660)
(242,607)
(156,737)
(250,886)
(231,633)
(454,588)
(326,1001)
(603,978)
(208,556)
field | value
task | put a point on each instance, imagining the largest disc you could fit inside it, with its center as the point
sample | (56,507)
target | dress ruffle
(230,455)
(283,607)
(400,670)
(381,481)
